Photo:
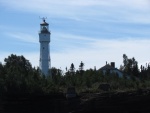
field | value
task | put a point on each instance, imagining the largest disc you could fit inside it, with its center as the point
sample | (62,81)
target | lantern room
(44,27)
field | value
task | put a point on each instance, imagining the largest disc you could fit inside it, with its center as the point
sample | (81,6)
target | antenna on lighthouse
(43,18)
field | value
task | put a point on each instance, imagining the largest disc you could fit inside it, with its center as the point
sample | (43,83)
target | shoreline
(106,102)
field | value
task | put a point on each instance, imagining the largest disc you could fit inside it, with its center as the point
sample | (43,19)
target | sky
(91,31)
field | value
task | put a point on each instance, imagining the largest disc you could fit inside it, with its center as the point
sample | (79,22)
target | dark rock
(104,87)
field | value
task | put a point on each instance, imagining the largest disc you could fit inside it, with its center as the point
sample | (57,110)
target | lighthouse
(44,39)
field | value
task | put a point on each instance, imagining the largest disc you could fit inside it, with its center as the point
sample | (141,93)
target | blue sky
(92,31)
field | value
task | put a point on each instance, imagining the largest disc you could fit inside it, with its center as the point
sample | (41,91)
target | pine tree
(72,69)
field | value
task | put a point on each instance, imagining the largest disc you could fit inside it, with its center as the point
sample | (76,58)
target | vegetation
(18,76)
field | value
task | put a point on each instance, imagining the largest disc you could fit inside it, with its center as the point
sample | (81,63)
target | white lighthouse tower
(44,39)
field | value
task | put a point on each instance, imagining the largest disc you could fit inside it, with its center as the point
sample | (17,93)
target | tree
(56,75)
(72,69)
(130,66)
(81,66)
(2,79)
(17,63)
(2,72)
(19,76)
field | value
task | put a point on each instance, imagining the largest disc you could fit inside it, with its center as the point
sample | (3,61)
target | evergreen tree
(2,72)
(81,66)
(72,69)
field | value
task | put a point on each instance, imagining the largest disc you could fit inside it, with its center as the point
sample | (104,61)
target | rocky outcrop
(118,102)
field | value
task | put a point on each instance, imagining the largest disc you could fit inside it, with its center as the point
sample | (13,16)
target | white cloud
(122,10)
(23,37)
(67,36)
(40,3)
(136,4)
(93,52)
(96,54)
(101,50)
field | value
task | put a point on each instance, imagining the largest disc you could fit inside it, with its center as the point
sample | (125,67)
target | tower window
(43,47)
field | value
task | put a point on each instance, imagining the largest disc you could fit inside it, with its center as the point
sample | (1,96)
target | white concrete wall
(44,39)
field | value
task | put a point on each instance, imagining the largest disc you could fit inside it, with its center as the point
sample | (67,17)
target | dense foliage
(18,76)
